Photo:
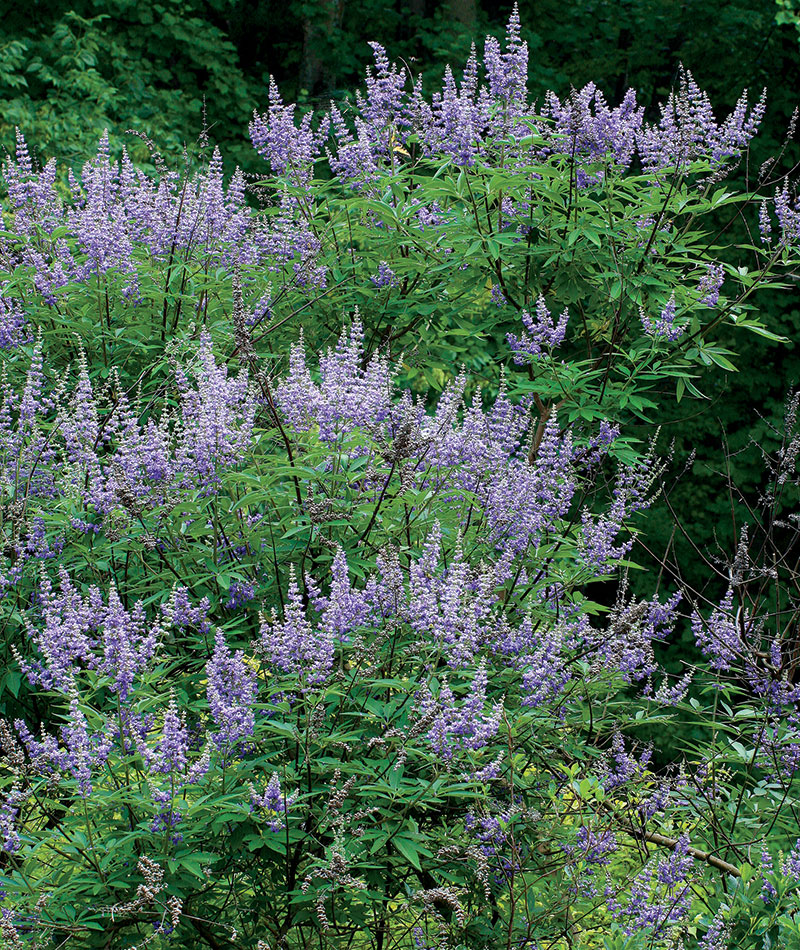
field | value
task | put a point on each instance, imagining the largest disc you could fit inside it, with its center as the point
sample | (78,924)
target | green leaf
(408,848)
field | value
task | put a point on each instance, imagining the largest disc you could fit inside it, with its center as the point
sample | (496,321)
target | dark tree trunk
(318,69)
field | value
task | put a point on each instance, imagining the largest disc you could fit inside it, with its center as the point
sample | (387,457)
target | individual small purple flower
(544,332)
(231,693)
(710,283)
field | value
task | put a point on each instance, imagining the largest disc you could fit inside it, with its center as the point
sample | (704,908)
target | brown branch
(655,838)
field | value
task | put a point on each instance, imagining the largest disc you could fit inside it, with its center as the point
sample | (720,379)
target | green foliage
(150,67)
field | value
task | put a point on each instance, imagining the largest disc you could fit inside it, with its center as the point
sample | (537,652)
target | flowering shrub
(301,647)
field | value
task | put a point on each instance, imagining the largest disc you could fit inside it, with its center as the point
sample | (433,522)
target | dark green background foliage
(170,69)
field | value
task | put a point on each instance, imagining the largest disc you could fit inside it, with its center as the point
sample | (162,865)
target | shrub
(301,648)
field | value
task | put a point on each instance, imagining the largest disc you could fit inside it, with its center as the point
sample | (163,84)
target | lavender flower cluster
(58,438)
(115,212)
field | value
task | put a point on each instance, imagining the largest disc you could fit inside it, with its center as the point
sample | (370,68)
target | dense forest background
(184,73)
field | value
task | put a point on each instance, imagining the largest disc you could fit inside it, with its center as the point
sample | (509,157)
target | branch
(655,838)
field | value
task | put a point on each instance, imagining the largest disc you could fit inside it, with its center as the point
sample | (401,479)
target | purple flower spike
(273,802)
(710,283)
(459,727)
(83,630)
(218,417)
(231,692)
(171,752)
(544,333)
(295,645)
(664,327)
(688,131)
(289,149)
